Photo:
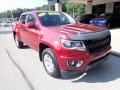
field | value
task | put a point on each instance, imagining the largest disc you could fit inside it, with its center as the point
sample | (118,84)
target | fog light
(75,63)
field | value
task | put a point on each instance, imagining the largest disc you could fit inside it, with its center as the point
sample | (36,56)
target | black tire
(54,71)
(18,43)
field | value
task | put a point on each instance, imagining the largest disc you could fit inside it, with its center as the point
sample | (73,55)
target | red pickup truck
(64,46)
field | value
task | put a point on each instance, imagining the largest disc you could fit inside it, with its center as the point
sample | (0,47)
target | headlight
(103,21)
(75,45)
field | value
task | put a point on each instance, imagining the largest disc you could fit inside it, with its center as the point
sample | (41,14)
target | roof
(28,12)
(94,2)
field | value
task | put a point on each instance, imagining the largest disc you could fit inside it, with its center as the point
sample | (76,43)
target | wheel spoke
(49,63)
(16,41)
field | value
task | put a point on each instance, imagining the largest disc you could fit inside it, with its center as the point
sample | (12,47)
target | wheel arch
(14,33)
(43,46)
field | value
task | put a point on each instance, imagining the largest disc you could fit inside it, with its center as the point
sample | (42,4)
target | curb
(116,53)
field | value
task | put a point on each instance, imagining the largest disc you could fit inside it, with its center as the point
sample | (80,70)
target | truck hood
(76,28)
(81,31)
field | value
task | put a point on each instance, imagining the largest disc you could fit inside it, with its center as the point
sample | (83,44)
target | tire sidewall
(20,44)
(56,72)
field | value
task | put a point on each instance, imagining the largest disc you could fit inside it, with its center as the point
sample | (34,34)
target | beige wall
(78,1)
(89,8)
(94,2)
(58,7)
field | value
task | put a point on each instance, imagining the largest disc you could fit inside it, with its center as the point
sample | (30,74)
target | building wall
(78,1)
(91,3)
(96,2)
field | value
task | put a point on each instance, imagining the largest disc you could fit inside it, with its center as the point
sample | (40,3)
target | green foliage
(75,9)
(70,8)
(47,7)
(64,7)
(16,13)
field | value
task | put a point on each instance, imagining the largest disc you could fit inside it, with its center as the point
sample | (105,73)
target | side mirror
(31,25)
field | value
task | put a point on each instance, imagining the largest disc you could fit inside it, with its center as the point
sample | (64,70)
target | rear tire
(18,43)
(50,62)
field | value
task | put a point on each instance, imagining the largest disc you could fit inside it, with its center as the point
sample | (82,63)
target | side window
(23,19)
(30,18)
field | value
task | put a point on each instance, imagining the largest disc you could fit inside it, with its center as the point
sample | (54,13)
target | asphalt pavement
(21,69)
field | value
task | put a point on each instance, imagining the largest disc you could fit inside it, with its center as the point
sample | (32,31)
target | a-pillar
(58,7)
(89,7)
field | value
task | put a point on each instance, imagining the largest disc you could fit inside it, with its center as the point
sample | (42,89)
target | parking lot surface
(115,39)
(21,69)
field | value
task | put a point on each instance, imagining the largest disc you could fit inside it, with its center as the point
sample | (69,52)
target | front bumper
(89,60)
(90,66)
(97,62)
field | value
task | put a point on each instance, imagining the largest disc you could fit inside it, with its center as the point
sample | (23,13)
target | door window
(30,18)
(23,19)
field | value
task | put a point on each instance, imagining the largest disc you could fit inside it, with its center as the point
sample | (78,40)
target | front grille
(94,46)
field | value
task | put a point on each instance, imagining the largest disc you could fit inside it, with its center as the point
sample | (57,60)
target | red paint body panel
(51,36)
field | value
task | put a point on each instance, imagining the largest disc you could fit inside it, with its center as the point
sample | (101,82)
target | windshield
(107,15)
(55,18)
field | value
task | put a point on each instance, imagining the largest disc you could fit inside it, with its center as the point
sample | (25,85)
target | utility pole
(5,14)
(73,11)
(5,18)
(49,7)
(12,17)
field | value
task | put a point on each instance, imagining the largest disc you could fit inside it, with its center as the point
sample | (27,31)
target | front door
(32,33)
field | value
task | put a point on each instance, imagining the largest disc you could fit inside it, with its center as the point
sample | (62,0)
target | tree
(70,8)
(75,9)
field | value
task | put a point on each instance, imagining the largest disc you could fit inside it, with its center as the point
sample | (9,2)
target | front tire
(50,63)
(18,43)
